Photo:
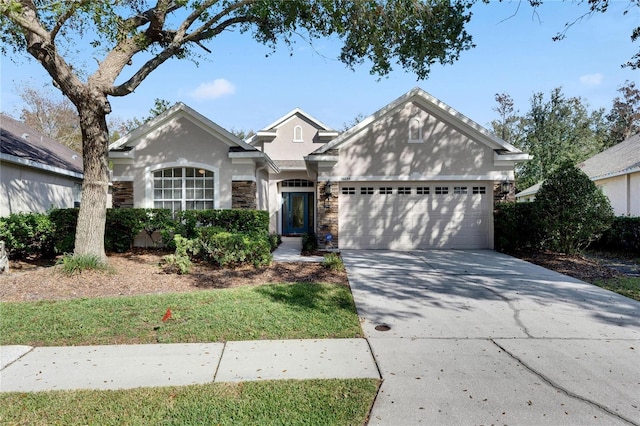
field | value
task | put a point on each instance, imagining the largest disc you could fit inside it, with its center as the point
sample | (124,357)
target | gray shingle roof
(616,160)
(19,140)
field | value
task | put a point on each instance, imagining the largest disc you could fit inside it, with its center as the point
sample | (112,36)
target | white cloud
(213,89)
(592,79)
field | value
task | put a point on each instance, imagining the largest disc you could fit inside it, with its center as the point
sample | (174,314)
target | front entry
(296,213)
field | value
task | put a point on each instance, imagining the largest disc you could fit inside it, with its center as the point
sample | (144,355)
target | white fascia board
(321,158)
(256,156)
(291,114)
(236,178)
(262,136)
(34,164)
(122,178)
(129,155)
(616,174)
(417,177)
(327,134)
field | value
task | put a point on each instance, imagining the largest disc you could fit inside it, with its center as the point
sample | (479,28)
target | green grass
(308,402)
(626,286)
(277,311)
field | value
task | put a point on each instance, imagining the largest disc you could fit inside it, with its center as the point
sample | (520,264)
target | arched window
(183,188)
(297,134)
(415,131)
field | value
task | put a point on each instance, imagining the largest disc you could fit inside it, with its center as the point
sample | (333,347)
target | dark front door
(296,213)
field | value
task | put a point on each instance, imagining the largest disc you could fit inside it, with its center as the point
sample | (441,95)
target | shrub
(71,265)
(309,243)
(624,234)
(275,240)
(180,261)
(333,261)
(229,249)
(157,220)
(122,226)
(516,227)
(27,234)
(572,210)
(64,223)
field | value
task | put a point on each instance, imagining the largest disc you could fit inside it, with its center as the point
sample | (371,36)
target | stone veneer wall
(243,194)
(122,195)
(327,219)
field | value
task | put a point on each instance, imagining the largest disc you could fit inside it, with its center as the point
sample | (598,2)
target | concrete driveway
(478,337)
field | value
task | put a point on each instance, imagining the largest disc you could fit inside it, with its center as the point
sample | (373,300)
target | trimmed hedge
(624,235)
(516,227)
(27,234)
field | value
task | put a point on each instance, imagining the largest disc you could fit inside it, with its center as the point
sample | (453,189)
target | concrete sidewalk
(290,251)
(27,369)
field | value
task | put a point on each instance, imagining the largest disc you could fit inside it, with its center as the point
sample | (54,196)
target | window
(183,188)
(404,190)
(348,190)
(459,189)
(415,131)
(422,190)
(386,190)
(442,190)
(297,134)
(366,191)
(479,190)
(297,183)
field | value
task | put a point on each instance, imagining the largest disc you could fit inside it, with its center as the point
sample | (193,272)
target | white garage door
(415,215)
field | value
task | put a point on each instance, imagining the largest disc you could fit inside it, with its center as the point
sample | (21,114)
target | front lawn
(292,402)
(276,311)
(626,286)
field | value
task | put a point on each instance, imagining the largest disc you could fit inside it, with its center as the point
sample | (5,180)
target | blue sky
(240,87)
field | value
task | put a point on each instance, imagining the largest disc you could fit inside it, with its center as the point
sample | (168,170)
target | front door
(296,213)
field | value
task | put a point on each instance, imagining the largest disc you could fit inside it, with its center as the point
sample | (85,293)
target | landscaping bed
(138,272)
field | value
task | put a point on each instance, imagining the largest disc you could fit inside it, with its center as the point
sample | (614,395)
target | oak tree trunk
(92,216)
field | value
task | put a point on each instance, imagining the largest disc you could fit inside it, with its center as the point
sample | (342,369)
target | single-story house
(616,171)
(37,173)
(415,174)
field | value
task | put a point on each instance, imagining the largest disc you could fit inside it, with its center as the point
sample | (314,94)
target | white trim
(122,178)
(148,179)
(497,176)
(295,138)
(34,164)
(236,178)
(419,129)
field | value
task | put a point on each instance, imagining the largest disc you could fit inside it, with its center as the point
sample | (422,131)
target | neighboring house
(37,173)
(616,171)
(415,174)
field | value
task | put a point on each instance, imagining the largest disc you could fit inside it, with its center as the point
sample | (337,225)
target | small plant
(75,264)
(333,261)
(309,243)
(275,240)
(180,261)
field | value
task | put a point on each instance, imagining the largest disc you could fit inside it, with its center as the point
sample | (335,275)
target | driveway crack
(563,390)
(516,311)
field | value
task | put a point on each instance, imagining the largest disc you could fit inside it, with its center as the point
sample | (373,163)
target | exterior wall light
(505,187)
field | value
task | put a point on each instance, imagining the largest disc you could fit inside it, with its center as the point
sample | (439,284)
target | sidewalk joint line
(215,373)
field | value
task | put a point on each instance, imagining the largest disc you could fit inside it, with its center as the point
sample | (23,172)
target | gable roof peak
(294,112)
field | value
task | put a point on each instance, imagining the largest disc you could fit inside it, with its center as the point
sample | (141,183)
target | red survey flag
(167,315)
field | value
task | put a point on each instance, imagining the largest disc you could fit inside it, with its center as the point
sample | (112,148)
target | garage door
(415,215)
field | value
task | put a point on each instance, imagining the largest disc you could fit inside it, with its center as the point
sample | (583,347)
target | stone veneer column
(327,218)
(122,195)
(243,194)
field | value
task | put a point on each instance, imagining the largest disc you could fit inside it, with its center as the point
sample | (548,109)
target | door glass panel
(297,207)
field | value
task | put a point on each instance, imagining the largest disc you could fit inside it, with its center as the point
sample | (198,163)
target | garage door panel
(415,221)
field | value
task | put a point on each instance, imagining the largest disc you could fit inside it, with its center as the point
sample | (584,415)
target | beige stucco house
(616,171)
(37,173)
(415,174)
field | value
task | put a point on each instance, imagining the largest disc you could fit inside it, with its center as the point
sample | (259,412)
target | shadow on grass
(310,296)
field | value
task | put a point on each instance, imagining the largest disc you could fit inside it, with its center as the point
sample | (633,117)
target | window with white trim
(479,189)
(404,190)
(366,190)
(349,190)
(415,131)
(386,190)
(297,183)
(442,190)
(183,188)
(297,134)
(459,189)
(422,190)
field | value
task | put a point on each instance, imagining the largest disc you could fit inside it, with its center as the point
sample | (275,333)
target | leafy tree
(507,125)
(624,117)
(557,130)
(571,210)
(52,116)
(412,33)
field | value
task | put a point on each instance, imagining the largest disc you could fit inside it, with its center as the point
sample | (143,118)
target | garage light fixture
(505,187)
(327,194)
